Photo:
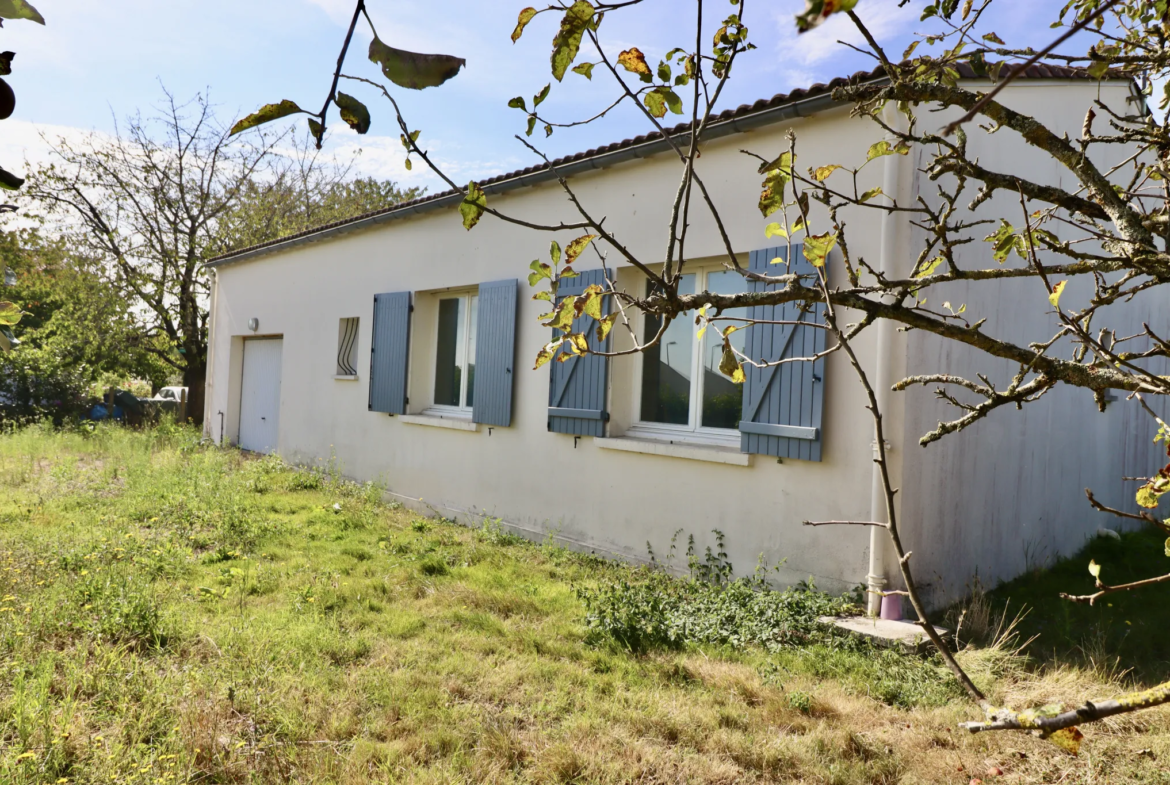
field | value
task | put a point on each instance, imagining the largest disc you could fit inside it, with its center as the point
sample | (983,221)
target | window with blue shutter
(783,404)
(389,352)
(495,353)
(578,387)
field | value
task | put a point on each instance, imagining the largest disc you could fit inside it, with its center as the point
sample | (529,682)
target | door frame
(239,424)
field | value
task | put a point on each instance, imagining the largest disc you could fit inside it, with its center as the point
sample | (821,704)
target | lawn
(177,613)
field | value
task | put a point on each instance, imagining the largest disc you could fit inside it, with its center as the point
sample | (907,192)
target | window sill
(344,378)
(451,423)
(693,452)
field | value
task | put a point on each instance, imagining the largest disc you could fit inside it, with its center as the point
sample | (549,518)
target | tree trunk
(194,379)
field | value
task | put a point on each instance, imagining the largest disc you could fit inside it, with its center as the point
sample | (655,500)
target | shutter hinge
(406,400)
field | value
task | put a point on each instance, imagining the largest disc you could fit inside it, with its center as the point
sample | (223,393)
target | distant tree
(147,208)
(76,328)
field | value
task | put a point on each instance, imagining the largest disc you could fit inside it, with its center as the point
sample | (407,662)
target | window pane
(722,398)
(449,357)
(470,364)
(666,368)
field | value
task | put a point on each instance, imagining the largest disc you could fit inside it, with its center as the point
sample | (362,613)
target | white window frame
(694,433)
(444,410)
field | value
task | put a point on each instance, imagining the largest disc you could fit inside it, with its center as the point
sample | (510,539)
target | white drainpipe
(887,335)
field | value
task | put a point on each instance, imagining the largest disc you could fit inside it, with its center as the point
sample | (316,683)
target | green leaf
(634,61)
(518,103)
(1098,68)
(1004,241)
(878,149)
(20,9)
(1057,289)
(993,38)
(1094,569)
(10,314)
(554,251)
(817,11)
(353,112)
(538,99)
(473,205)
(586,70)
(817,246)
(9,181)
(412,70)
(664,72)
(546,296)
(776,177)
(929,267)
(655,103)
(317,130)
(773,229)
(567,41)
(531,125)
(562,317)
(1168,546)
(408,164)
(871,193)
(540,271)
(7,340)
(6,63)
(266,114)
(575,248)
(522,22)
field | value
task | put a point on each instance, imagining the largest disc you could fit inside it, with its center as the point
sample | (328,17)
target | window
(455,353)
(683,391)
(347,334)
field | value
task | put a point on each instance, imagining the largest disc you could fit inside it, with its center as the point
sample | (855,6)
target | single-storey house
(403,346)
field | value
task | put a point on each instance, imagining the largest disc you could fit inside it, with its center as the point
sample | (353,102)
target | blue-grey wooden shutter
(495,353)
(578,386)
(390,352)
(783,404)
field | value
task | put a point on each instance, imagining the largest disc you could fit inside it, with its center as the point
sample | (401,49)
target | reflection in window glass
(450,358)
(722,398)
(666,369)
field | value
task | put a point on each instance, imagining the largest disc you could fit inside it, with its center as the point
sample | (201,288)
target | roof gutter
(805,107)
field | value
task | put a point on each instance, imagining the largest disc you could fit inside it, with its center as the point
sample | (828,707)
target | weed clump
(648,609)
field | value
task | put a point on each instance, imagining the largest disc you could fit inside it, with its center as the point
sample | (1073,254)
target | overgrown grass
(177,613)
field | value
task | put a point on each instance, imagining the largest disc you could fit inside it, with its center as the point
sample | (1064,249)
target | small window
(683,390)
(455,352)
(347,335)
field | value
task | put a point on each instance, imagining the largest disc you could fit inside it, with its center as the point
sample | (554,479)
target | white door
(260,395)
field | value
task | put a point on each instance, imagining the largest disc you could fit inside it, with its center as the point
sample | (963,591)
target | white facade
(970,504)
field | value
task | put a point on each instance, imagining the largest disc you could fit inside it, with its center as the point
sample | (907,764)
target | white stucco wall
(964,503)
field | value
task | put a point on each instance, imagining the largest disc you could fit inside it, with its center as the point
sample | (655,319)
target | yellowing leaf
(473,205)
(634,61)
(1147,497)
(10,314)
(776,177)
(817,246)
(871,193)
(266,114)
(773,229)
(413,70)
(878,149)
(522,22)
(605,325)
(822,172)
(586,70)
(567,41)
(1094,568)
(562,317)
(575,248)
(353,112)
(730,365)
(548,352)
(1068,739)
(1057,289)
(929,267)
(578,342)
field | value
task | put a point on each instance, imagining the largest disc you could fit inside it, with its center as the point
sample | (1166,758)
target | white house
(403,345)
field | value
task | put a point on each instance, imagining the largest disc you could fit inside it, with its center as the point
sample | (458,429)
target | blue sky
(95,61)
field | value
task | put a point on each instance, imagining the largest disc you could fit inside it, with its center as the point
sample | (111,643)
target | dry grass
(204,618)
